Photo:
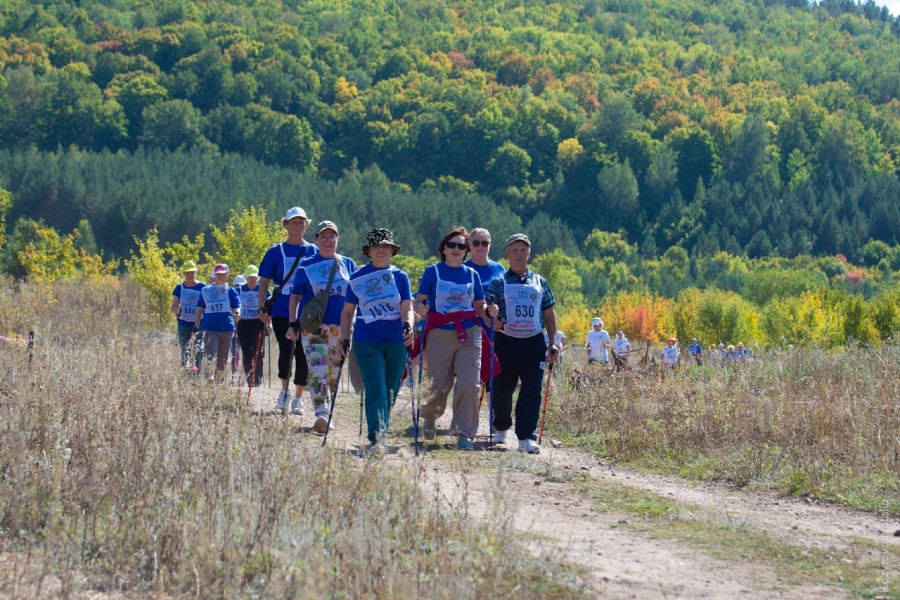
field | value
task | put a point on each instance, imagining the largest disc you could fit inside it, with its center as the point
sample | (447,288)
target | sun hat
(672,340)
(380,237)
(517,237)
(251,271)
(596,321)
(239,280)
(188,266)
(326,225)
(293,213)
(220,268)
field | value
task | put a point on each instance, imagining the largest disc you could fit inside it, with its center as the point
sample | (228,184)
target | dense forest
(756,128)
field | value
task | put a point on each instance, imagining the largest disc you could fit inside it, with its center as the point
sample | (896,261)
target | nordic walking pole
(491,386)
(268,353)
(412,400)
(337,386)
(546,400)
(362,398)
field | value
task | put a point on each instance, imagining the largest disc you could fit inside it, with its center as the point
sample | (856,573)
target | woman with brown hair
(452,337)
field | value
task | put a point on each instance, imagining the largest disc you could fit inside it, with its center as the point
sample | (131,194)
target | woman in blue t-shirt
(378,310)
(218,309)
(249,327)
(184,306)
(452,337)
(274,268)
(321,347)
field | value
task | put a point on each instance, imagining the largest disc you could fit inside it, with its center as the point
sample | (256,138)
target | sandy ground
(553,519)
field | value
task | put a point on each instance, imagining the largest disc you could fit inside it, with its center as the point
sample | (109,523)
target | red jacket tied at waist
(435,320)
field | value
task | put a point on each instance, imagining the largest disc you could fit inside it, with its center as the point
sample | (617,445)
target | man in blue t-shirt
(696,351)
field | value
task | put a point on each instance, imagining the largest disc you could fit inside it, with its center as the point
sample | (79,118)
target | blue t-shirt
(217,302)
(377,294)
(487,272)
(276,263)
(451,289)
(187,299)
(250,301)
(312,277)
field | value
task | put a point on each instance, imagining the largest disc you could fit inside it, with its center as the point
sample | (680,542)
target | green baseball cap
(188,266)
(251,271)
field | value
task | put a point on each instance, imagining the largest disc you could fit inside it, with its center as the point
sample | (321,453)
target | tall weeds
(119,473)
(826,424)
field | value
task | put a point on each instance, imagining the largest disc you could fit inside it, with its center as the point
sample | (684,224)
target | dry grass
(824,424)
(121,477)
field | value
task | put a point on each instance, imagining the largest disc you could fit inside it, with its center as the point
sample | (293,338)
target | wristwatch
(295,325)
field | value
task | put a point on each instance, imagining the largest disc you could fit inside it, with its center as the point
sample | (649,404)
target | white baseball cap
(293,213)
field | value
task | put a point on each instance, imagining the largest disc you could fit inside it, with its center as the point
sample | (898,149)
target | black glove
(345,344)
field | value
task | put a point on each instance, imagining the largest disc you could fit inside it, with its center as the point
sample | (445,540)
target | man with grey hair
(522,303)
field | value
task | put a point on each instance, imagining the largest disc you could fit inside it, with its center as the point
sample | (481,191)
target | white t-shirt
(560,336)
(670,355)
(620,345)
(597,341)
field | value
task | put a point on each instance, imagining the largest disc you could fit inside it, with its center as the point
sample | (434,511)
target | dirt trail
(553,519)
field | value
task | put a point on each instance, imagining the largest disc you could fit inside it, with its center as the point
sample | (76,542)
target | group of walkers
(598,346)
(484,327)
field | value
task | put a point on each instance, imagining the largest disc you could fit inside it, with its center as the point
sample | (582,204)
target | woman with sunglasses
(479,246)
(452,337)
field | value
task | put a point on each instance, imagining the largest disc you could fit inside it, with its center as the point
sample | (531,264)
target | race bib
(379,298)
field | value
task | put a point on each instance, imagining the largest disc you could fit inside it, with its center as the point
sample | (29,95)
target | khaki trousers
(446,357)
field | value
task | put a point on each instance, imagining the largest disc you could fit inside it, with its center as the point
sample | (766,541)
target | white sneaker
(530,446)
(375,449)
(283,396)
(297,406)
(321,421)
(500,436)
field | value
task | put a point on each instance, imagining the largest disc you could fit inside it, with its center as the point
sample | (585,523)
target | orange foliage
(640,315)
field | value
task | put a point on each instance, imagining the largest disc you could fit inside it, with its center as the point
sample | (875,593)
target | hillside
(755,128)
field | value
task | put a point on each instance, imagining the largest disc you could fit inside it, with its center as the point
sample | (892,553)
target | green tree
(561,272)
(173,125)
(244,239)
(509,166)
(149,267)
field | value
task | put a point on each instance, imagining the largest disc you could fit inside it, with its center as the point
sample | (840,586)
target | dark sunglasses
(485,243)
(457,245)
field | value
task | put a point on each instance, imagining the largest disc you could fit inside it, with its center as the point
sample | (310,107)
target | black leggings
(285,346)
(248,335)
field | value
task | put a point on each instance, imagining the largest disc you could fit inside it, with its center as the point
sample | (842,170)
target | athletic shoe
(321,422)
(530,446)
(463,443)
(297,406)
(500,436)
(428,429)
(283,396)
(375,449)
